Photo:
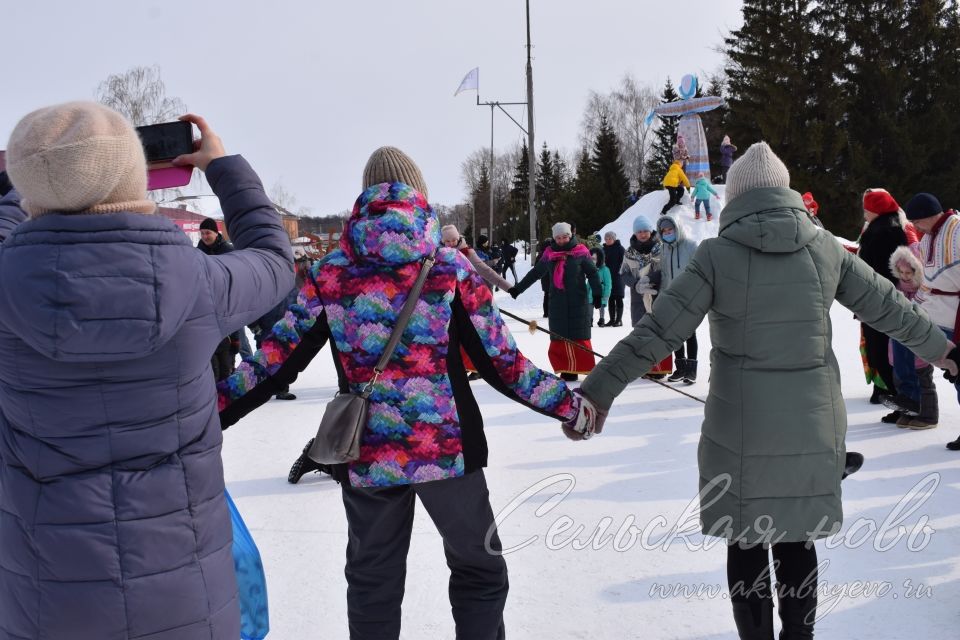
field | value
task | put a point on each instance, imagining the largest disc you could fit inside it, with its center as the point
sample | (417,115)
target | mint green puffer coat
(772,443)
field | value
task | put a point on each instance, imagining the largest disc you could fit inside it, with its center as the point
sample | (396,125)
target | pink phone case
(167,177)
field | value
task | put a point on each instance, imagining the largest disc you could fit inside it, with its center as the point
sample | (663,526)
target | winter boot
(681,371)
(954,445)
(305,465)
(853,464)
(878,395)
(690,374)
(929,413)
(892,418)
(709,217)
(696,216)
(919,424)
(286,395)
(901,403)
(796,616)
(754,620)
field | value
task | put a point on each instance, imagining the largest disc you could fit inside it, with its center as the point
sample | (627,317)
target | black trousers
(748,571)
(691,352)
(877,347)
(676,193)
(615,306)
(379,524)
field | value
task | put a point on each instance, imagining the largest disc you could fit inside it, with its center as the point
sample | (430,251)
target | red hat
(879,202)
(810,203)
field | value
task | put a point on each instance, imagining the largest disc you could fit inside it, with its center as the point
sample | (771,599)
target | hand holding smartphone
(162,143)
(172,153)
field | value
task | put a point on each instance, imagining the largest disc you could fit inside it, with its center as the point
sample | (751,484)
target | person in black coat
(880,238)
(212,243)
(613,253)
(508,259)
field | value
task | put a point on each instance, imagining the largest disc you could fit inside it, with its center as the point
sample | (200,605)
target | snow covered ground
(894,571)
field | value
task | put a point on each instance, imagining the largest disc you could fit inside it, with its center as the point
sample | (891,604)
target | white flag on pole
(470,81)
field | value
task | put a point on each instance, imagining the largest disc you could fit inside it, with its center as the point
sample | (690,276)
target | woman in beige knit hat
(113,513)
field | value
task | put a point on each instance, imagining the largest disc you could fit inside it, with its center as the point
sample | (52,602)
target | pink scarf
(560,257)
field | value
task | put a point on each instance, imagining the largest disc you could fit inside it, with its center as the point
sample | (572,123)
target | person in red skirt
(570,269)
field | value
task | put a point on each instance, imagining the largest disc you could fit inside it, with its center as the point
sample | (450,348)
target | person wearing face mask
(678,250)
(571,269)
(641,273)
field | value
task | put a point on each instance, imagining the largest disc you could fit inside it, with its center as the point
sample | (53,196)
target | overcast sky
(306,90)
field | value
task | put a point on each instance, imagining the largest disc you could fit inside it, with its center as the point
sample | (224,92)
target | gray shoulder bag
(345,418)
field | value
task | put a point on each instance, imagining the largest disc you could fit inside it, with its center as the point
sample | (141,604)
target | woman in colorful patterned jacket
(424,434)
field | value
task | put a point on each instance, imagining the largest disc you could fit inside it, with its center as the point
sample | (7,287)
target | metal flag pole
(531,153)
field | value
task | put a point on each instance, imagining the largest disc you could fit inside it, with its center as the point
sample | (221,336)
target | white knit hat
(389,164)
(562,229)
(758,167)
(449,232)
(78,157)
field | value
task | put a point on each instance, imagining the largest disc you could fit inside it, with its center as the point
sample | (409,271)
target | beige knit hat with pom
(758,167)
(389,164)
(78,157)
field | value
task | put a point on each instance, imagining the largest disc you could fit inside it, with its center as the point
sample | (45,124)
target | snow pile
(649,206)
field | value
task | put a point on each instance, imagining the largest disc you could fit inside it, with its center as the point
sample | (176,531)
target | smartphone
(165,141)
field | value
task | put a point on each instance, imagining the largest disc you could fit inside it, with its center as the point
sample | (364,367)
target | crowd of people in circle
(119,379)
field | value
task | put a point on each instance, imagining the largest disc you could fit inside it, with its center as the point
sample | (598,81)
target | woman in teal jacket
(606,283)
(771,451)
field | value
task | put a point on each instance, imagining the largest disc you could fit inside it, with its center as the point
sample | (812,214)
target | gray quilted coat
(772,443)
(113,523)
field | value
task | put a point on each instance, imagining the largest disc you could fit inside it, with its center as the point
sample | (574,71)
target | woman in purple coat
(727,149)
(112,514)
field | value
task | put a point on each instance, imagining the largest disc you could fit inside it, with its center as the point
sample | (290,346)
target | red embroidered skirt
(665,366)
(567,358)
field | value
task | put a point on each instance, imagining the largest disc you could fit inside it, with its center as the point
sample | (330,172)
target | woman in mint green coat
(772,448)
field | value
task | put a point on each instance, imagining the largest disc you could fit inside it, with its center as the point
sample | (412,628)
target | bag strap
(402,320)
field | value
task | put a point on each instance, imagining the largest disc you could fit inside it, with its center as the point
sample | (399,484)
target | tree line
(850,94)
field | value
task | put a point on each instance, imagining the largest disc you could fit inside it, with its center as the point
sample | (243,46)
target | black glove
(513,292)
(598,304)
(953,356)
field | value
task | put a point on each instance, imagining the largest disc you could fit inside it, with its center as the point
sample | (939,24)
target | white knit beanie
(389,164)
(449,232)
(758,167)
(78,157)
(562,229)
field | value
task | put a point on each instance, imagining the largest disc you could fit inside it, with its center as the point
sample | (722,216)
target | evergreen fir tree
(579,196)
(661,153)
(519,201)
(481,204)
(714,122)
(610,182)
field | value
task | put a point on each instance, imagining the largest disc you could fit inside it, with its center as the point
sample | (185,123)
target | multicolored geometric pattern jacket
(424,423)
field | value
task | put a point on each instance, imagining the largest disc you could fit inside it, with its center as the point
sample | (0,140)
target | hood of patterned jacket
(391,224)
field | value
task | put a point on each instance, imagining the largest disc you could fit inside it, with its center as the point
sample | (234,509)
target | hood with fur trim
(905,255)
